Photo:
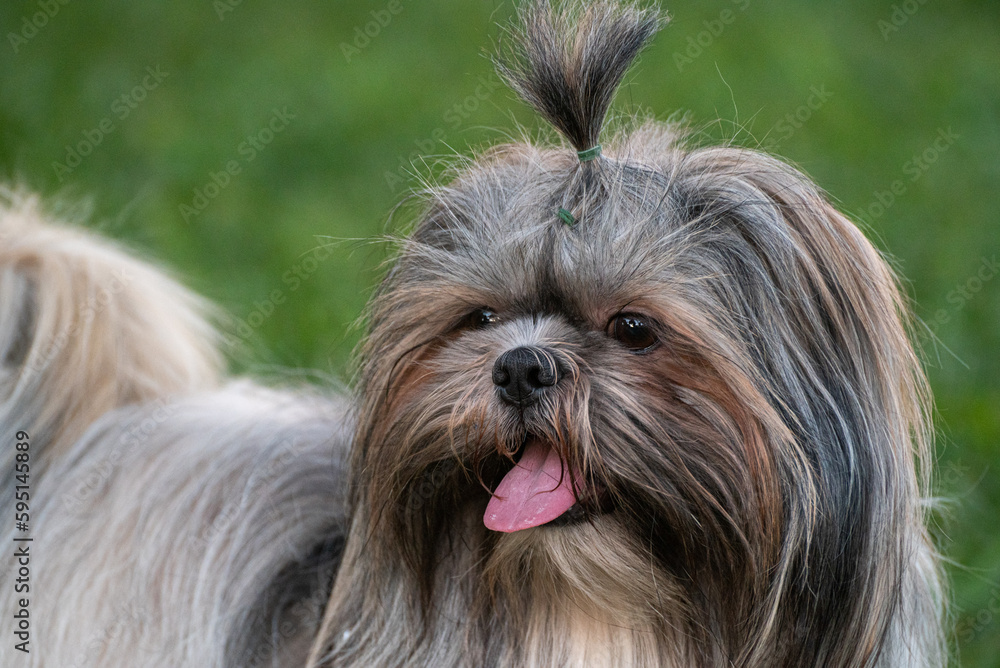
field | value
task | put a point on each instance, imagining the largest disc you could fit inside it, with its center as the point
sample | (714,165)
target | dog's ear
(567,62)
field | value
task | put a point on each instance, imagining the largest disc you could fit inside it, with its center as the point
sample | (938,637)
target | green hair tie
(567,217)
(589,154)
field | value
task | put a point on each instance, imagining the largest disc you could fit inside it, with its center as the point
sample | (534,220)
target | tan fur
(98,319)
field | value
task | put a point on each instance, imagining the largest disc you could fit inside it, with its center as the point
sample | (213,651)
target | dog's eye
(481,317)
(634,332)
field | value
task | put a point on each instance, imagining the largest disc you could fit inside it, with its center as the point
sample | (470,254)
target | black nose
(522,374)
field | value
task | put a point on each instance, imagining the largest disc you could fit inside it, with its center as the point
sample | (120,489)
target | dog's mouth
(539,489)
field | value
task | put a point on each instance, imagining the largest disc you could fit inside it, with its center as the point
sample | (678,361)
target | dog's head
(670,360)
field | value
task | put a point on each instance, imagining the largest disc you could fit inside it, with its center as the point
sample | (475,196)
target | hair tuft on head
(568,61)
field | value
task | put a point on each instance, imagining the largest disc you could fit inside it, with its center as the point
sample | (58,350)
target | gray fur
(751,488)
(194,530)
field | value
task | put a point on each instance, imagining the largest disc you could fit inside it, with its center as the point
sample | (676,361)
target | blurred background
(259,148)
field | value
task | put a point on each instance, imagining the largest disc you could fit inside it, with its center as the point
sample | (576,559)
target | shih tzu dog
(631,405)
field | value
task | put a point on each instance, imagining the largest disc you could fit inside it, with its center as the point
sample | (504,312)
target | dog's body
(708,362)
(172,518)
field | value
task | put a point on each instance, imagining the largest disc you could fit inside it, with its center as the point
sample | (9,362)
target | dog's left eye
(634,332)
(481,317)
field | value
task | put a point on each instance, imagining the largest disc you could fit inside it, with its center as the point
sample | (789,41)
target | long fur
(750,488)
(768,502)
(173,522)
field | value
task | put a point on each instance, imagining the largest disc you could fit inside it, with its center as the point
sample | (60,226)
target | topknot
(568,61)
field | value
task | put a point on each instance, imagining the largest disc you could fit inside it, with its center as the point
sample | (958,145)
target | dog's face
(667,389)
(657,370)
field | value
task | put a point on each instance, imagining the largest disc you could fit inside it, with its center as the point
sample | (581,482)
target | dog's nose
(522,374)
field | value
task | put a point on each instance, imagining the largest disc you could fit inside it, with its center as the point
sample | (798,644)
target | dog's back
(171,521)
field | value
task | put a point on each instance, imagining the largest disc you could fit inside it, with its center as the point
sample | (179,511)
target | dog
(635,405)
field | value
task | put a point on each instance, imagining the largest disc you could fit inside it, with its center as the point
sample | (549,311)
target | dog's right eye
(481,317)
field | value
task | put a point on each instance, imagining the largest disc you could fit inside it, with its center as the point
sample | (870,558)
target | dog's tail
(84,328)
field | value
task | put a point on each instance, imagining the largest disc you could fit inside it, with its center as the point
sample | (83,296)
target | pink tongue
(537,490)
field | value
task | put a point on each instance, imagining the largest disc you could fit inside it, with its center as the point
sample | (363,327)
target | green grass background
(362,115)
